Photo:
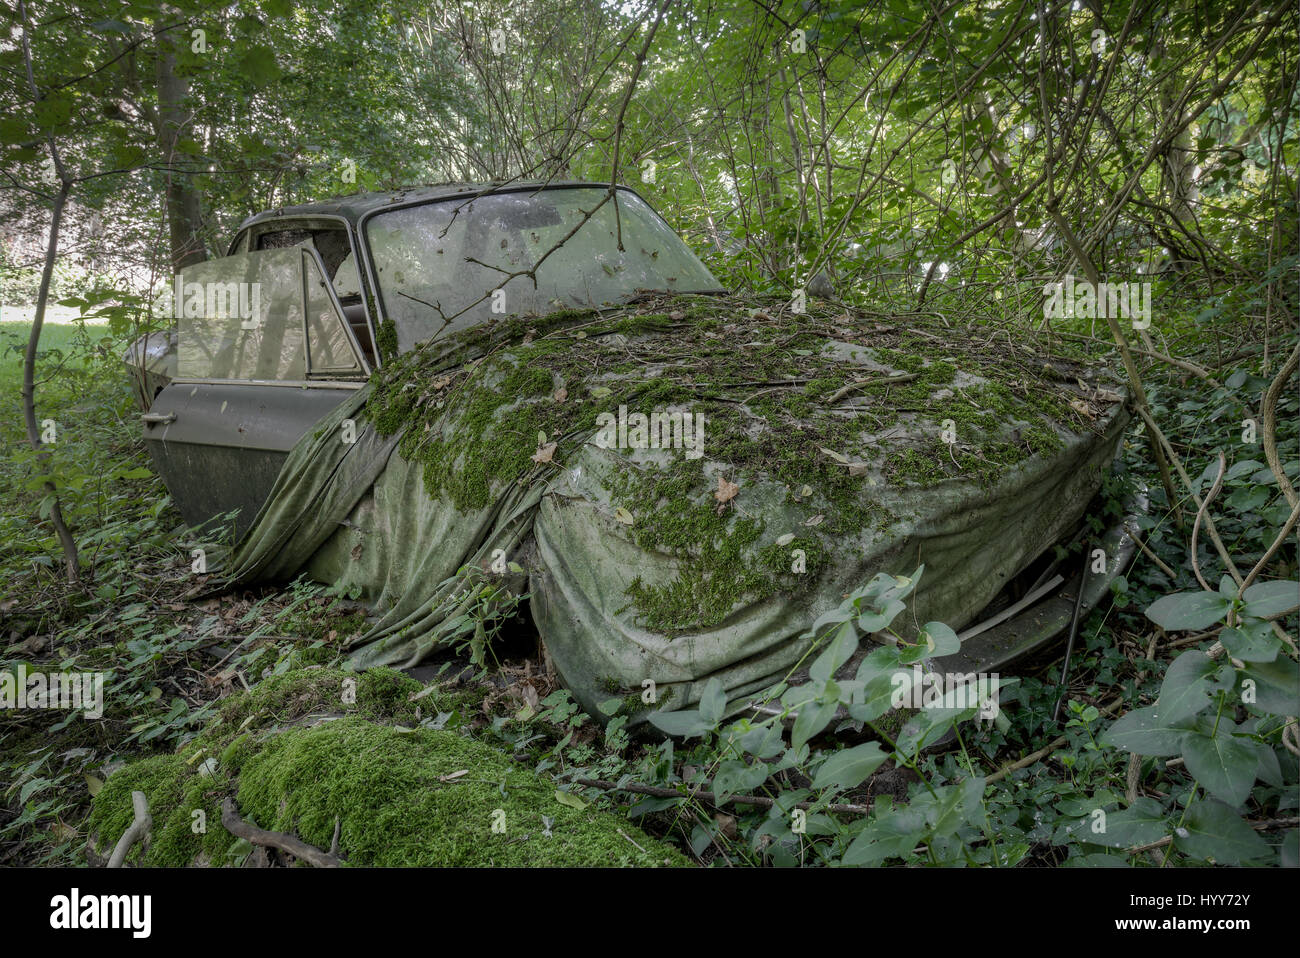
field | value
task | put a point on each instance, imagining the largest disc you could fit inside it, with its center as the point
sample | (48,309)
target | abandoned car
(431,395)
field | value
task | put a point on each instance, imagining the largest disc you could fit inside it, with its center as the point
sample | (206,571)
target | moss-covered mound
(825,406)
(309,747)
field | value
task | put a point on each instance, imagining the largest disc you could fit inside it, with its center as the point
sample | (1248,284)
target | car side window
(241,317)
(332,244)
(329,347)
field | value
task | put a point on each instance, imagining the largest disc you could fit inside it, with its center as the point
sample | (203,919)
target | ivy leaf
(1212,830)
(849,767)
(1188,610)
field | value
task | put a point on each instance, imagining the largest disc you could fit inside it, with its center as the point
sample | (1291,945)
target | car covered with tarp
(443,398)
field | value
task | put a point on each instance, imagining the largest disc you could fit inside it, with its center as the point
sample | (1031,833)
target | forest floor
(174,659)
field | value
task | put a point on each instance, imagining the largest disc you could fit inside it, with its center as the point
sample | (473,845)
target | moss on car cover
(835,443)
(307,747)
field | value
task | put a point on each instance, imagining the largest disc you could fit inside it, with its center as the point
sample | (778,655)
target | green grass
(56,339)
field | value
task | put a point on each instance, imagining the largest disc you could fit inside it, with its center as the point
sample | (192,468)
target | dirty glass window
(329,349)
(440,266)
(241,317)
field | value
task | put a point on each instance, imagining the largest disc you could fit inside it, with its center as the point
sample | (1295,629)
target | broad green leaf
(1214,832)
(713,701)
(844,642)
(31,786)
(569,799)
(1142,822)
(762,742)
(940,639)
(876,699)
(735,777)
(813,718)
(892,835)
(1188,610)
(1264,599)
(1223,763)
(850,767)
(1275,686)
(1290,850)
(687,723)
(1186,688)
(1145,732)
(1254,642)
(927,726)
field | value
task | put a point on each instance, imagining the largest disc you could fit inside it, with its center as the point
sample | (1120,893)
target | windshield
(448,265)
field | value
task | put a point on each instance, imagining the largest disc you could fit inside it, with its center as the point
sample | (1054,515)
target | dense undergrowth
(1101,786)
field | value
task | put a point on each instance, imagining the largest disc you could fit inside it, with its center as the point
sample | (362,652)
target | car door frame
(369,300)
(277,412)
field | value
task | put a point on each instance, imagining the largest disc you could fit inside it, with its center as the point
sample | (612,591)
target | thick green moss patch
(309,746)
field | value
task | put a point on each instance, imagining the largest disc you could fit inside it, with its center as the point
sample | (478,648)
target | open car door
(263,352)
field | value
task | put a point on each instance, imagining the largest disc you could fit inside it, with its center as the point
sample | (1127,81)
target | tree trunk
(68,544)
(184,207)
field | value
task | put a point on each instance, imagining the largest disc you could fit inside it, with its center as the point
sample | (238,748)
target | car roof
(356,205)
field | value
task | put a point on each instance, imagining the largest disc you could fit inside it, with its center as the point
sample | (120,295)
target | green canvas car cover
(683,485)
